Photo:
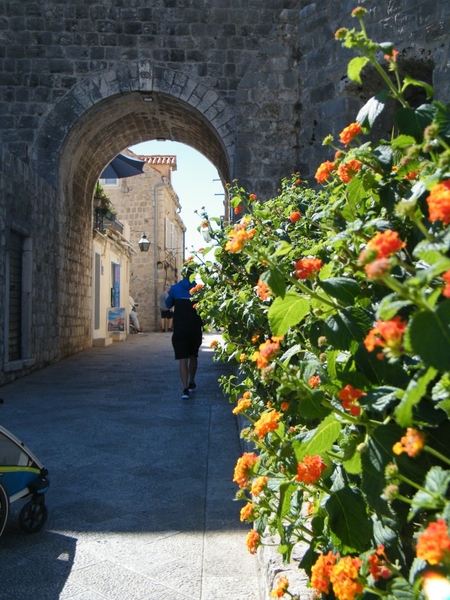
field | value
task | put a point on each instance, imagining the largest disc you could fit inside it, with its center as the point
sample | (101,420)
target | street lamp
(144,243)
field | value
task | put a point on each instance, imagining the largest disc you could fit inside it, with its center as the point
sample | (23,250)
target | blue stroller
(22,477)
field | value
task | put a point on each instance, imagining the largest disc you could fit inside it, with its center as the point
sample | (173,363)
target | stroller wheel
(4,508)
(33,515)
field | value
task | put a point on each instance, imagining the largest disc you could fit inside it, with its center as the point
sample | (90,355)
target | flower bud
(391,471)
(362,447)
(391,492)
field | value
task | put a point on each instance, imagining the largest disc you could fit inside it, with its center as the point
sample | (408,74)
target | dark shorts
(186,344)
(166,314)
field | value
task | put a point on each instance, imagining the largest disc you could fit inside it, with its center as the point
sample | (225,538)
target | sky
(196,183)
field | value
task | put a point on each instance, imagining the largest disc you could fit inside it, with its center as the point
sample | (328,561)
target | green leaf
(348,325)
(356,194)
(275,280)
(416,390)
(282,248)
(380,398)
(287,312)
(319,440)
(353,465)
(435,486)
(407,81)
(284,504)
(341,288)
(355,66)
(401,589)
(389,308)
(413,122)
(371,109)
(402,141)
(348,520)
(429,333)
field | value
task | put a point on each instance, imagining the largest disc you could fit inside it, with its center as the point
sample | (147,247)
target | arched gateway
(254,86)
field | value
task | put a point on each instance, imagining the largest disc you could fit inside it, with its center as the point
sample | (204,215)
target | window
(109,181)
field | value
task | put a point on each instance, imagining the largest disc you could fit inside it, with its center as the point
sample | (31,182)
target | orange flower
(378,268)
(267,422)
(305,267)
(253,197)
(349,133)
(244,468)
(243,404)
(242,357)
(281,589)
(239,235)
(196,288)
(238,209)
(258,485)
(321,571)
(324,171)
(433,545)
(391,57)
(214,344)
(247,511)
(255,338)
(346,171)
(295,216)
(253,541)
(263,290)
(343,576)
(284,406)
(386,334)
(439,202)
(446,277)
(314,381)
(378,564)
(411,443)
(350,396)
(310,470)
(266,352)
(384,243)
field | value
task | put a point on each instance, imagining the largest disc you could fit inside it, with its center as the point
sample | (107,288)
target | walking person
(166,314)
(187,331)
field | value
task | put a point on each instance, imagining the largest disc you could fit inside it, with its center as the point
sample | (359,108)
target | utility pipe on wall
(156,247)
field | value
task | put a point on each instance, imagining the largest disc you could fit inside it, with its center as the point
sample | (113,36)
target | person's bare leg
(184,372)
(192,368)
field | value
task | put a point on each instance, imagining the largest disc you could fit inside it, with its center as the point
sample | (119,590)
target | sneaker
(185,394)
(192,387)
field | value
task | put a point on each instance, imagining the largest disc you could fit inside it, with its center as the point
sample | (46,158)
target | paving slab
(141,496)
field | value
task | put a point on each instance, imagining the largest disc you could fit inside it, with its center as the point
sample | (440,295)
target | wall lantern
(144,243)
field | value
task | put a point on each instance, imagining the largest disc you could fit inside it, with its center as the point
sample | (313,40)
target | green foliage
(333,309)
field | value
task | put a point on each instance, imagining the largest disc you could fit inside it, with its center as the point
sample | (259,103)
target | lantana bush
(334,302)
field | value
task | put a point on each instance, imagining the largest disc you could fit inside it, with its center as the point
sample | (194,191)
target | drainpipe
(155,237)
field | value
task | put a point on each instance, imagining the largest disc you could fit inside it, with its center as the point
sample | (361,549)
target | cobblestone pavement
(141,497)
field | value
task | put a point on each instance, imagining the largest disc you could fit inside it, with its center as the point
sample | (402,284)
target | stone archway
(94,122)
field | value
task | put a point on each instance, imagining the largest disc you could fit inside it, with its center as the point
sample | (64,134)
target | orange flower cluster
(253,197)
(239,235)
(391,57)
(343,578)
(258,485)
(295,216)
(321,572)
(378,564)
(314,381)
(346,171)
(267,422)
(196,288)
(263,290)
(439,202)
(310,470)
(244,467)
(324,171)
(446,277)
(433,545)
(284,406)
(411,443)
(305,267)
(386,334)
(243,404)
(242,357)
(253,541)
(349,133)
(238,209)
(281,589)
(350,396)
(382,245)
(378,268)
(247,512)
(214,344)
(267,350)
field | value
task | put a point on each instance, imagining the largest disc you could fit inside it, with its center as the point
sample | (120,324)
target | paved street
(141,497)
